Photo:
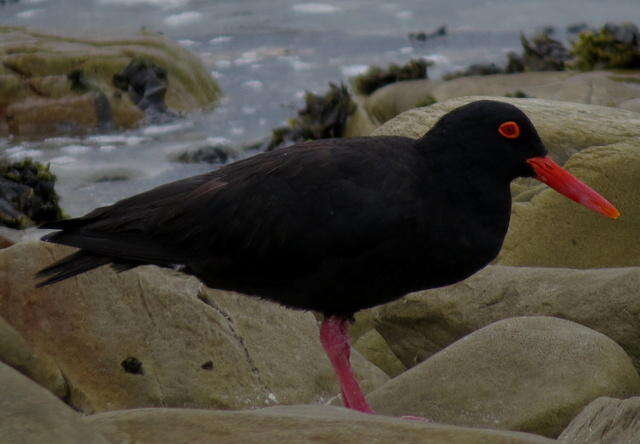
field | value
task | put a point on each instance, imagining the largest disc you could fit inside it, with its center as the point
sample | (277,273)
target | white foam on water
(184,18)
(299,65)
(164,4)
(217,140)
(249,110)
(253,84)
(247,58)
(437,58)
(187,43)
(108,148)
(29,13)
(75,149)
(62,160)
(222,64)
(220,39)
(23,154)
(404,15)
(315,8)
(135,140)
(353,70)
(156,130)
(237,131)
(406,50)
(60,140)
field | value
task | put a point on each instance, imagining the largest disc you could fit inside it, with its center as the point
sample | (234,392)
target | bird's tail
(70,266)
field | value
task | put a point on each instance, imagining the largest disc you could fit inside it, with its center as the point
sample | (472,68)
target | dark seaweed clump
(541,53)
(323,116)
(377,77)
(614,46)
(27,194)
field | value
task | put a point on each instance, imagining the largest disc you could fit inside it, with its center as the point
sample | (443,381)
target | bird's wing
(303,203)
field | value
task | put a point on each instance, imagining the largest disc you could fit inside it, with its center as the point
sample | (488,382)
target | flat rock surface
(531,374)
(300,423)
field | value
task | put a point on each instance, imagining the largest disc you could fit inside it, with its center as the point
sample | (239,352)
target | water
(265,54)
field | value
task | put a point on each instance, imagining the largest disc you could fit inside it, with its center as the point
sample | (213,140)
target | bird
(333,225)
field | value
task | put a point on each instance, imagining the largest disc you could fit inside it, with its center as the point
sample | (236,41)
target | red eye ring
(510,130)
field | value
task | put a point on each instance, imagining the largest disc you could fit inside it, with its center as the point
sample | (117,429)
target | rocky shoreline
(541,346)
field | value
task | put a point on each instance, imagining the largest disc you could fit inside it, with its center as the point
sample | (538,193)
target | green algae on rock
(51,84)
(27,194)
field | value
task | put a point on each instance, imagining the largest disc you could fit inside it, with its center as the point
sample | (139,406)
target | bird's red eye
(510,130)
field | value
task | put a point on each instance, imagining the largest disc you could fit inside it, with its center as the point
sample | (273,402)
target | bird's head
(500,138)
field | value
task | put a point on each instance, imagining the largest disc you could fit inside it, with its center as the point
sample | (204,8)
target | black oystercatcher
(334,225)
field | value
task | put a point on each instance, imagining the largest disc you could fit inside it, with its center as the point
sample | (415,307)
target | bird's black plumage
(332,225)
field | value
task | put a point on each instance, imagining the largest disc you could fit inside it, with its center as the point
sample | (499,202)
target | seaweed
(377,77)
(611,47)
(323,116)
(27,194)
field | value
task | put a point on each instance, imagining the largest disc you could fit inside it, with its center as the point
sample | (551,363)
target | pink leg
(333,335)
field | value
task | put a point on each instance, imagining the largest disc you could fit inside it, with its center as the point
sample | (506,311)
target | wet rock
(605,421)
(140,339)
(146,84)
(322,117)
(30,414)
(50,84)
(529,374)
(275,425)
(423,323)
(421,36)
(27,194)
(377,77)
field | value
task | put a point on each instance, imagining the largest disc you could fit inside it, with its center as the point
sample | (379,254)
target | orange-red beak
(563,182)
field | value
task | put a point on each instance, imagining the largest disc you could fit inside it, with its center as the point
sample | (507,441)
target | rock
(30,414)
(421,324)
(604,88)
(605,421)
(50,84)
(27,194)
(573,236)
(15,351)
(530,374)
(375,349)
(153,337)
(565,128)
(275,425)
